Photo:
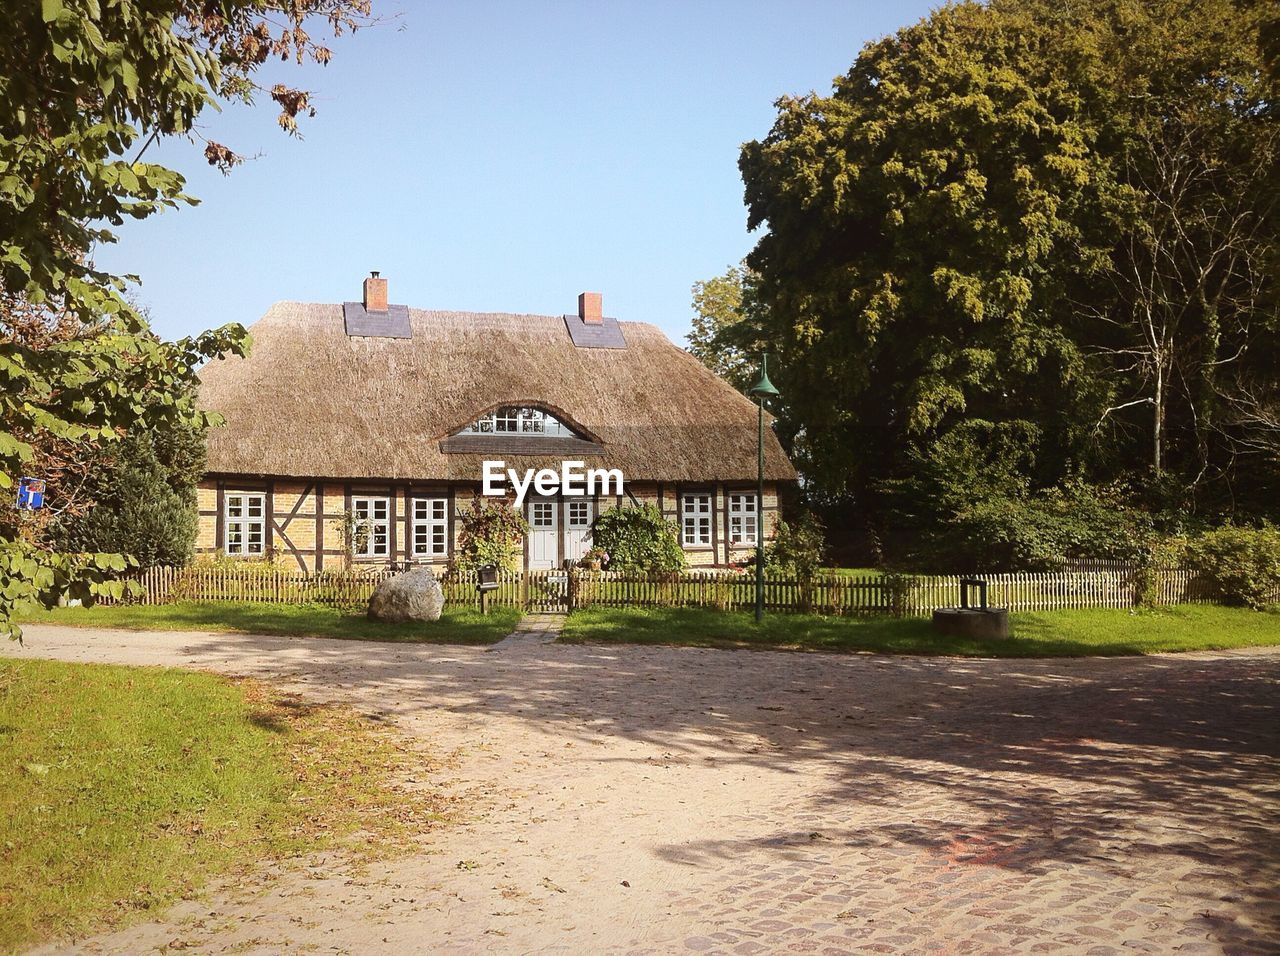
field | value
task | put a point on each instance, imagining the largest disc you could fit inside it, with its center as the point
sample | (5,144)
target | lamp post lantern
(762,389)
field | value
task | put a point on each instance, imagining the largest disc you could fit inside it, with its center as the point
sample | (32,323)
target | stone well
(990,623)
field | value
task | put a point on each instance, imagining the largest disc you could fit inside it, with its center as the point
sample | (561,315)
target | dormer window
(518,420)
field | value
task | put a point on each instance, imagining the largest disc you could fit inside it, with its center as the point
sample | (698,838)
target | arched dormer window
(519,420)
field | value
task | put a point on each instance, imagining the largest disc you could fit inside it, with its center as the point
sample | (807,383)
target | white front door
(577,527)
(543,529)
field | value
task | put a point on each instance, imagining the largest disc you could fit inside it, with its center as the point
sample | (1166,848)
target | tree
(725,335)
(144,494)
(728,336)
(1187,311)
(79,91)
(950,232)
(923,227)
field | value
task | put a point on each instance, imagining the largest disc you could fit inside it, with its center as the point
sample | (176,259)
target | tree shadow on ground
(1119,765)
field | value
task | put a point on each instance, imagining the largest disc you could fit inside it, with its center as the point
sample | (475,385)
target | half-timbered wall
(305,518)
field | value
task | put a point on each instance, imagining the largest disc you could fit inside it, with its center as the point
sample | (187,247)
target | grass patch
(1067,633)
(854,572)
(458,625)
(122,788)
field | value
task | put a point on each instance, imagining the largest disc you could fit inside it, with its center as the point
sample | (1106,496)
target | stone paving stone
(1066,806)
(533,630)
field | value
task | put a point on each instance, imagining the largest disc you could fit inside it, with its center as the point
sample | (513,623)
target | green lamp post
(762,389)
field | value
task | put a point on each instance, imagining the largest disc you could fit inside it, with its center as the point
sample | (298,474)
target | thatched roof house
(341,404)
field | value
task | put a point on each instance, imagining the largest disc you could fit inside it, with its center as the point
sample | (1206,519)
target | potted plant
(595,559)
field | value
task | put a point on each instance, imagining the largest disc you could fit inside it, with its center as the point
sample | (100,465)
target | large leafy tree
(918,220)
(85,87)
(948,235)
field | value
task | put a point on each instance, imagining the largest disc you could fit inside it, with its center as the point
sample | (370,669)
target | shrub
(897,588)
(1160,555)
(797,548)
(1034,532)
(1242,564)
(144,501)
(491,533)
(638,539)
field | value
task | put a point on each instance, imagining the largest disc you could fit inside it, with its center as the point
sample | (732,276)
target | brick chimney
(591,308)
(375,293)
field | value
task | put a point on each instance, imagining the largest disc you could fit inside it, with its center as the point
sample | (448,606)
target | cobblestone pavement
(541,628)
(660,800)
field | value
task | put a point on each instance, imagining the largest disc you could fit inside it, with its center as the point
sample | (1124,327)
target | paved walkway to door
(659,800)
(542,627)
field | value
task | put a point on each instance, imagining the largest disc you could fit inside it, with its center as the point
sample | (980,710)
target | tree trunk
(1157,420)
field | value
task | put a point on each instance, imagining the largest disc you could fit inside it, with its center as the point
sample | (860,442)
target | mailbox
(486,581)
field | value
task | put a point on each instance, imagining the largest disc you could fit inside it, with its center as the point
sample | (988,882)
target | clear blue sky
(498,157)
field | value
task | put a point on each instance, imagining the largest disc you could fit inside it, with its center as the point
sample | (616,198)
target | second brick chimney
(591,308)
(375,293)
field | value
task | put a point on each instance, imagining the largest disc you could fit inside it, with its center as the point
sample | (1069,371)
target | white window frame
(582,506)
(519,420)
(429,527)
(240,521)
(539,509)
(697,514)
(506,421)
(379,528)
(744,520)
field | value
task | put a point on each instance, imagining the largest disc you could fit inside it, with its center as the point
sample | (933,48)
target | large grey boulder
(413,596)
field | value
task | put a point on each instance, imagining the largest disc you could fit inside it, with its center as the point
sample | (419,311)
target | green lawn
(458,625)
(1047,634)
(121,789)
(854,572)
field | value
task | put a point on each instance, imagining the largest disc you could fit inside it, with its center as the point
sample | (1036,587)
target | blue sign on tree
(30,494)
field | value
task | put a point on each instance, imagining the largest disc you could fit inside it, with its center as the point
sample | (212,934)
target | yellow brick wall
(296,529)
(288,495)
(335,503)
(207,495)
(461,502)
(207,529)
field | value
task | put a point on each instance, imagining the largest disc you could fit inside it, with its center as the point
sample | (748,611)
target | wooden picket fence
(732,591)
(864,595)
(874,595)
(1054,590)
(265,583)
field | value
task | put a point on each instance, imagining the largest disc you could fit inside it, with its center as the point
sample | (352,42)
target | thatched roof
(310,401)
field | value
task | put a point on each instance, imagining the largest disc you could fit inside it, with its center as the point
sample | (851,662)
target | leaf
(50,10)
(129,74)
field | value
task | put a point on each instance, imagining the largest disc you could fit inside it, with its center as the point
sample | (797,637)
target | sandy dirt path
(632,799)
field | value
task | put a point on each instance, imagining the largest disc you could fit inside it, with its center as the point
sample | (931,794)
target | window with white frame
(579,514)
(542,514)
(518,420)
(246,523)
(430,528)
(743,520)
(506,420)
(695,520)
(371,527)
